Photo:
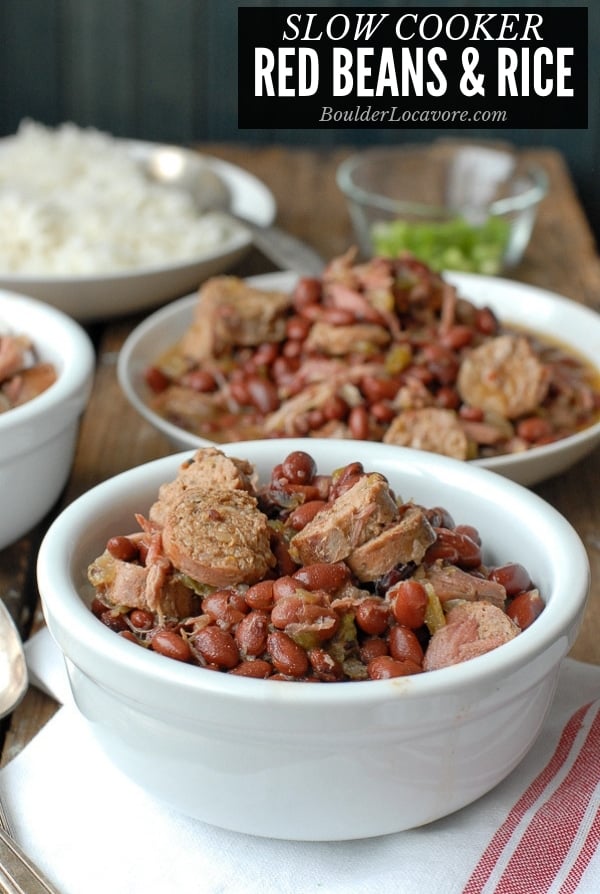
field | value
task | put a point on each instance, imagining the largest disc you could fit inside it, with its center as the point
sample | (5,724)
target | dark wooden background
(166,70)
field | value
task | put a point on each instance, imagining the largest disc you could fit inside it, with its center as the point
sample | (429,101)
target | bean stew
(385,350)
(305,577)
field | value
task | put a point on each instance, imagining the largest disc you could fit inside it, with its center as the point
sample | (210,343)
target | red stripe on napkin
(553,830)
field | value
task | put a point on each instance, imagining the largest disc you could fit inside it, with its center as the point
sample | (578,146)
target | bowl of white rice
(84,228)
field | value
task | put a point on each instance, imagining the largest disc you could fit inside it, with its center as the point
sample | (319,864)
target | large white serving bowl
(95,297)
(37,439)
(574,325)
(300,760)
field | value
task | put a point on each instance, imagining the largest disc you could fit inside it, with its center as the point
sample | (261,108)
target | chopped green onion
(446,245)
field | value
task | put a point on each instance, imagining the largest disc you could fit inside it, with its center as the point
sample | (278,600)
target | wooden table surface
(561,257)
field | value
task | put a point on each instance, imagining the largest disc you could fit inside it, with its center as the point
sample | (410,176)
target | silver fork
(18,873)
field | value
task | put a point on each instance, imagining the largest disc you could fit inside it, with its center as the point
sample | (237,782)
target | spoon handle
(286,251)
(18,874)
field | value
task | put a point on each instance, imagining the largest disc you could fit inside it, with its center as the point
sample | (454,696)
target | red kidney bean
(315,419)
(217,647)
(171,644)
(299,467)
(307,291)
(251,633)
(257,668)
(218,606)
(307,491)
(385,668)
(128,635)
(409,603)
(283,369)
(471,414)
(323,576)
(525,608)
(345,478)
(382,412)
(456,337)
(327,668)
(280,550)
(287,656)
(486,321)
(262,394)
(377,389)
(454,547)
(373,615)
(445,370)
(534,428)
(372,647)
(419,373)
(141,619)
(156,380)
(122,548)
(286,585)
(199,380)
(239,392)
(297,328)
(447,398)
(287,610)
(335,408)
(305,513)
(469,531)
(513,576)
(404,645)
(358,423)
(114,620)
(265,354)
(294,610)
(260,595)
(98,607)
(292,350)
(439,517)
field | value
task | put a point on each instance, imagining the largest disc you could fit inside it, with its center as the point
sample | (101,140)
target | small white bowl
(324,761)
(37,439)
(538,310)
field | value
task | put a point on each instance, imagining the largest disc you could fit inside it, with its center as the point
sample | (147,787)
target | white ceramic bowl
(99,297)
(319,761)
(37,439)
(537,309)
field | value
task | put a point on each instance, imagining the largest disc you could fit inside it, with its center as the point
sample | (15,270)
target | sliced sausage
(218,537)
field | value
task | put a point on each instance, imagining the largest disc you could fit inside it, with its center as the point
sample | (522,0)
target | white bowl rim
(507,461)
(76,350)
(67,609)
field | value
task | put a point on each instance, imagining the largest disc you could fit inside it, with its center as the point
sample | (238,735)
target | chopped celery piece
(435,618)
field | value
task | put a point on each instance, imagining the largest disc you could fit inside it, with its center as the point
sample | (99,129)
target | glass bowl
(465,207)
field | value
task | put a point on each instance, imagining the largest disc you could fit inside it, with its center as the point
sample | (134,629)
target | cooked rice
(75,202)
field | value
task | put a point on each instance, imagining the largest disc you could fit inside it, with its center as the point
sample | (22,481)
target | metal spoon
(180,168)
(18,873)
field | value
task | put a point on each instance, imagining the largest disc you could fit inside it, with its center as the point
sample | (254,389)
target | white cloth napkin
(92,831)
